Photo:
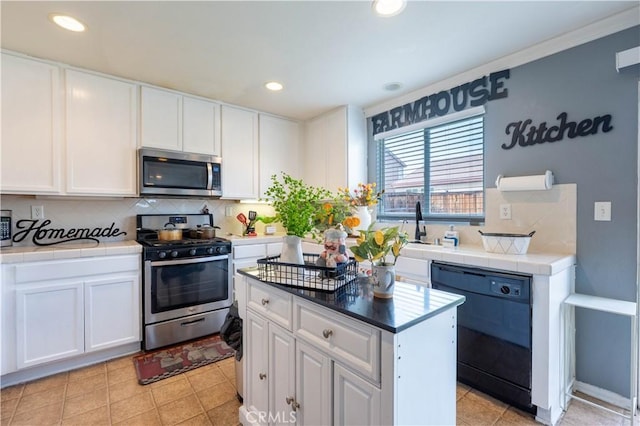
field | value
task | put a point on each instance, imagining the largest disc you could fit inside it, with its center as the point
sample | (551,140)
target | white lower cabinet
(355,401)
(307,364)
(49,322)
(288,382)
(110,305)
(60,309)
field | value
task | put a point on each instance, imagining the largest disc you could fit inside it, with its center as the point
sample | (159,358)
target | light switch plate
(602,211)
(505,211)
(228,211)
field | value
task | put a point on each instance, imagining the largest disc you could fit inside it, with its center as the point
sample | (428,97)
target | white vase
(364,215)
(292,250)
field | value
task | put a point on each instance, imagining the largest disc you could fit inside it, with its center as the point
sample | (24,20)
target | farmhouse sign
(40,232)
(524,134)
(475,93)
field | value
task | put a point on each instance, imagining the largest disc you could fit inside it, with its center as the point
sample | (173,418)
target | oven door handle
(185,261)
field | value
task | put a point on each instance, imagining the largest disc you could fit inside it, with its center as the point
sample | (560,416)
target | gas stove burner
(154,242)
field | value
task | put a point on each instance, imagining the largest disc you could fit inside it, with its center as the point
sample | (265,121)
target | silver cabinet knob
(327,333)
(265,302)
(291,401)
(262,376)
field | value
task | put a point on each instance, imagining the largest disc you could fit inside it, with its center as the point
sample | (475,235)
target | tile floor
(109,394)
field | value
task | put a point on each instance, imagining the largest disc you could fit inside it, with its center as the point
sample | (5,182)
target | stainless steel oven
(187,285)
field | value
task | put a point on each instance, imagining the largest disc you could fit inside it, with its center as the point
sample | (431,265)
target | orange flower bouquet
(364,195)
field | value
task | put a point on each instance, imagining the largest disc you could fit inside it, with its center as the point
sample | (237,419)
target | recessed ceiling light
(67,22)
(388,7)
(392,87)
(274,86)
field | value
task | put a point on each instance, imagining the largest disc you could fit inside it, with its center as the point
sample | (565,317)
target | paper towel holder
(525,183)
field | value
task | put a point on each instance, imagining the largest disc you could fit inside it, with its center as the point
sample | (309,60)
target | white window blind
(440,166)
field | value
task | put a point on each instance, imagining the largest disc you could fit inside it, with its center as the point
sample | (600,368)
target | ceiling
(326,53)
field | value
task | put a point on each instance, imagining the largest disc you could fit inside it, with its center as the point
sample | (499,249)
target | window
(440,166)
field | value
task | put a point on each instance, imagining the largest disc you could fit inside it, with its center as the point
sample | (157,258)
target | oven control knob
(174,253)
(505,289)
(210,250)
(221,250)
(192,252)
(162,254)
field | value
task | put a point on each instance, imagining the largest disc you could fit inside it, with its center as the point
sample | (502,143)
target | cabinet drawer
(253,250)
(270,302)
(353,342)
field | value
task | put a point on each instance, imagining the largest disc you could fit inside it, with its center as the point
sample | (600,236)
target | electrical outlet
(505,211)
(37,212)
(228,211)
(602,211)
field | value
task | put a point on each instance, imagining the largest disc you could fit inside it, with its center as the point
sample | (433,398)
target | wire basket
(308,275)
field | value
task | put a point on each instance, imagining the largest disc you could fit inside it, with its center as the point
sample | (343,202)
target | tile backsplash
(97,212)
(552,214)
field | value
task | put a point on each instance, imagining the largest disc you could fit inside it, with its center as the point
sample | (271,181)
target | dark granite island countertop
(410,304)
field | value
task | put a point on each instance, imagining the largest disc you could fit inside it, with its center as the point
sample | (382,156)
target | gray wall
(582,82)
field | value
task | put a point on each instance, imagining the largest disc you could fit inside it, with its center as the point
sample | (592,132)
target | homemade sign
(475,93)
(524,134)
(40,232)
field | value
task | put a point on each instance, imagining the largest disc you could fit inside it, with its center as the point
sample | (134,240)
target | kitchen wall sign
(475,93)
(524,134)
(40,232)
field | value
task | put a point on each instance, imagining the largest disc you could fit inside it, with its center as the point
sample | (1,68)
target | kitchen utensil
(252,215)
(204,232)
(496,242)
(208,232)
(168,234)
(242,218)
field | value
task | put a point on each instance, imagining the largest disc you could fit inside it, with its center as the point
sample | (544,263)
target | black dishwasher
(494,330)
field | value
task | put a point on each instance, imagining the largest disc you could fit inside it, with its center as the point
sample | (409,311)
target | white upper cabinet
(175,122)
(239,136)
(201,126)
(279,149)
(101,126)
(31,126)
(160,119)
(335,149)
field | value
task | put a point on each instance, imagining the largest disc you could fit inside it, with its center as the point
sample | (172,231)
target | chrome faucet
(419,234)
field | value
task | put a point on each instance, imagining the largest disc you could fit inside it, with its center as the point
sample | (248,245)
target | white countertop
(531,263)
(67,251)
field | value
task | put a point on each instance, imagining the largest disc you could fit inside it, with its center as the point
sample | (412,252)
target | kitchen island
(344,357)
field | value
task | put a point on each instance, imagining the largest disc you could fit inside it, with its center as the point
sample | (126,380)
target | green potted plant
(295,204)
(374,245)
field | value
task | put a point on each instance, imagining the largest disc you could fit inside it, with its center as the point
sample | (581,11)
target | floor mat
(166,362)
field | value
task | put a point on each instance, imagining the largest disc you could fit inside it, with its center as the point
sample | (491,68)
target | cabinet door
(239,135)
(282,385)
(355,401)
(49,322)
(335,149)
(315,153)
(31,130)
(200,126)
(101,129)
(112,312)
(279,149)
(313,386)
(257,375)
(160,119)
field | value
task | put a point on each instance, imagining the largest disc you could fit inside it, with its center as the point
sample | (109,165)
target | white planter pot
(292,250)
(364,215)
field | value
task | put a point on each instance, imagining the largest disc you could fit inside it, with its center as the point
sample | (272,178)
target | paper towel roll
(525,183)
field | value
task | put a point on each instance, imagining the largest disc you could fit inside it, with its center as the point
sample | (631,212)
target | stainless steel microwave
(175,173)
